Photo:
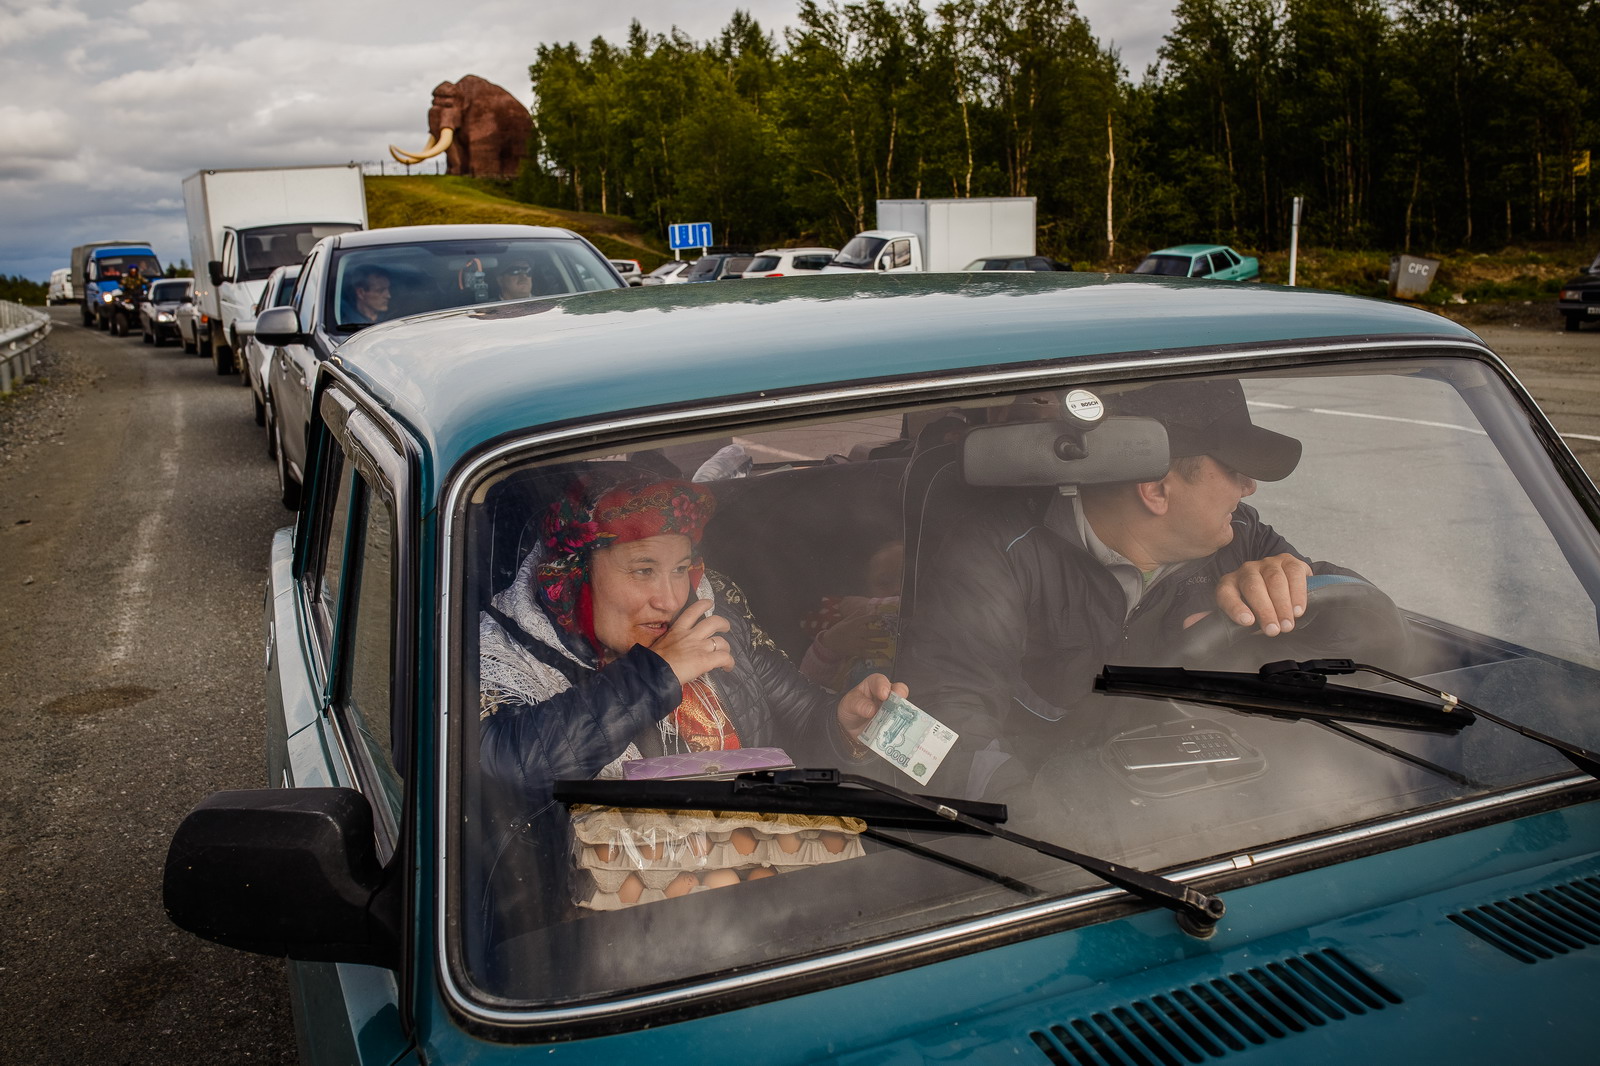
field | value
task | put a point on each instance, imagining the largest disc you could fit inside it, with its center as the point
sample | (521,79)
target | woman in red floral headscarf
(614,643)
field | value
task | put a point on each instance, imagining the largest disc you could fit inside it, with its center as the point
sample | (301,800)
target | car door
(294,367)
(344,688)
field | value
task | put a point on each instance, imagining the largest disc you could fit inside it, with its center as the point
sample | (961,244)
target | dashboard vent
(1214,1018)
(1539,925)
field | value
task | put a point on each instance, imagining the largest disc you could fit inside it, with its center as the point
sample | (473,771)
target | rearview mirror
(290,872)
(279,325)
(1022,454)
(214,268)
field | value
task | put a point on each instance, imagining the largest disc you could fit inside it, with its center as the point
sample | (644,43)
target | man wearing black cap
(1027,598)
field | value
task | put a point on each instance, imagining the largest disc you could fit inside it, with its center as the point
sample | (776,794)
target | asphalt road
(136,506)
(136,525)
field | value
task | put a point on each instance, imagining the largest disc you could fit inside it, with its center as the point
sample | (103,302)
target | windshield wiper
(1289,689)
(779,792)
(819,791)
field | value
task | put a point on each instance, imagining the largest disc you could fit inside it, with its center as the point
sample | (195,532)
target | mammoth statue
(480,127)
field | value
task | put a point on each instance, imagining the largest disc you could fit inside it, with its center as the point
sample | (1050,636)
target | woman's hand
(694,645)
(860,705)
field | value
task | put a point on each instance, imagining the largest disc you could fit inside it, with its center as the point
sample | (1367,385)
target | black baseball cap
(1210,418)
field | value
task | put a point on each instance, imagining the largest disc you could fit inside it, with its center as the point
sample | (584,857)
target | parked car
(158,312)
(408,270)
(1215,261)
(1016,263)
(1579,299)
(277,292)
(717,267)
(668,273)
(1278,867)
(192,321)
(781,262)
(629,269)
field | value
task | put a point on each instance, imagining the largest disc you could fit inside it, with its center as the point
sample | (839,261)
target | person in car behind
(515,279)
(1024,601)
(368,291)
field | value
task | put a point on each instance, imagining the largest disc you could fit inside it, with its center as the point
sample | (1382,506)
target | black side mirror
(186,299)
(214,268)
(279,325)
(290,872)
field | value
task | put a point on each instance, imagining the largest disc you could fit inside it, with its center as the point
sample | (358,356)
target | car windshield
(929,543)
(114,266)
(168,291)
(266,248)
(376,284)
(860,253)
(763,263)
(703,268)
(1176,266)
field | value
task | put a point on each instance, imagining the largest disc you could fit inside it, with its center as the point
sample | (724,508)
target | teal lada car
(1217,262)
(1105,823)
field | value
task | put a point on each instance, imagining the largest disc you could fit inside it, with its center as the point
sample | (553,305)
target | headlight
(1571,294)
(108,296)
(164,316)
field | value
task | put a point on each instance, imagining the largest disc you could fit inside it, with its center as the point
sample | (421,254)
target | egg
(834,842)
(759,872)
(606,852)
(651,852)
(630,890)
(743,841)
(720,879)
(699,845)
(788,843)
(681,885)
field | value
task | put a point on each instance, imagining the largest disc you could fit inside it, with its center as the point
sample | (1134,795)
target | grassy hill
(448,198)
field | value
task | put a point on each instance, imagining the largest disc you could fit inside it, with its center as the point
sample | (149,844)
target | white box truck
(941,235)
(244,223)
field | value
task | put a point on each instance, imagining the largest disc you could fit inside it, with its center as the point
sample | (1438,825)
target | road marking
(131,598)
(1395,418)
(1364,414)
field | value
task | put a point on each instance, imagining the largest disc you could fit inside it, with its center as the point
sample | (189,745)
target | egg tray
(659,847)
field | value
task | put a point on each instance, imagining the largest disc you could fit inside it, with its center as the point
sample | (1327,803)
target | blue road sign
(689,235)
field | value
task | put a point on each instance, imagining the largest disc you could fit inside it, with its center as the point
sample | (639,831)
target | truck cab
(248,257)
(884,250)
(103,275)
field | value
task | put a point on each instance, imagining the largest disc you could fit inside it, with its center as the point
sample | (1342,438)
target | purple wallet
(706,764)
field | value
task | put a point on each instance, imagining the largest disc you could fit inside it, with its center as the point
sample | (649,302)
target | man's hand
(858,706)
(1271,589)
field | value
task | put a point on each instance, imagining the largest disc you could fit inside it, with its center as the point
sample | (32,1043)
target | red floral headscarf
(598,513)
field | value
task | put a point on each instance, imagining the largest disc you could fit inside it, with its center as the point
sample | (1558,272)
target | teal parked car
(1217,262)
(1181,856)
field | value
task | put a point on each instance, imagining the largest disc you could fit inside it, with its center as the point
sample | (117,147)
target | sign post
(681,235)
(1294,237)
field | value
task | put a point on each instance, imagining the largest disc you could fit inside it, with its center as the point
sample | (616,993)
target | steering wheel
(1345,618)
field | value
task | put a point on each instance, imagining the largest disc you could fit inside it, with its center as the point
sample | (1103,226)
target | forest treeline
(1405,124)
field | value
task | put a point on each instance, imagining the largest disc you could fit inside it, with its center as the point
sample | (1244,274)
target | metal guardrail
(21,328)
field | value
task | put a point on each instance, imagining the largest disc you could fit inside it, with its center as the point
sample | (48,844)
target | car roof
(463,377)
(1189,249)
(372,238)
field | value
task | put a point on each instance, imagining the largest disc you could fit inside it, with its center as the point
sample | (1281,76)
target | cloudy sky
(106,106)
